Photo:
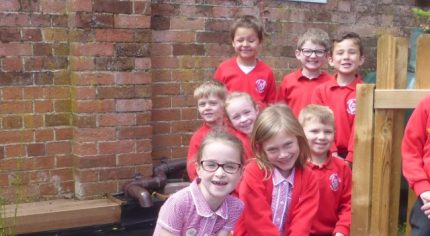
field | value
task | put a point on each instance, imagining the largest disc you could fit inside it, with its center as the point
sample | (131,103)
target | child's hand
(425,197)
(339,234)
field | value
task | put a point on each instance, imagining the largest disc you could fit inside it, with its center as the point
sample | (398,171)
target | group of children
(270,161)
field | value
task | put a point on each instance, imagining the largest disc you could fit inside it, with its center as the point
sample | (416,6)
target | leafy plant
(422,18)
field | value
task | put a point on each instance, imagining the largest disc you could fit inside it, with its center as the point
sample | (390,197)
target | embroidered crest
(334,182)
(191,232)
(428,130)
(350,106)
(260,85)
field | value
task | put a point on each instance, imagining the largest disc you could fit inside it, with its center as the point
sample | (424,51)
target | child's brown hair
(316,36)
(321,113)
(271,121)
(250,22)
(349,35)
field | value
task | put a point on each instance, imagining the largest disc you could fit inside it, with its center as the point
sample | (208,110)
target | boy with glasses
(297,87)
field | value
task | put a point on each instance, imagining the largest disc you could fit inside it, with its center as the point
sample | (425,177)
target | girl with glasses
(206,206)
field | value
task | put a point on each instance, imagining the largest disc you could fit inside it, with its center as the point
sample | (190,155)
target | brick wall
(94,91)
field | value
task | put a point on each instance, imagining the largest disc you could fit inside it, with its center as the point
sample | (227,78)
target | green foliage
(422,18)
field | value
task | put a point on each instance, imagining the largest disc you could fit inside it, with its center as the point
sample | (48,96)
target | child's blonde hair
(226,138)
(243,95)
(313,111)
(271,121)
(349,35)
(250,22)
(316,36)
(210,87)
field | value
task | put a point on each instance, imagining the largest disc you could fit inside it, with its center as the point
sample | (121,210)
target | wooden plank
(362,171)
(61,214)
(391,64)
(399,98)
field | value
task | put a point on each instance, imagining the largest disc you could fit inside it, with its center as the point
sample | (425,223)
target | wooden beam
(61,214)
(362,170)
(398,98)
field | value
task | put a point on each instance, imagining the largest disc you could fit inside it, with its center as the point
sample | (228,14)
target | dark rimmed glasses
(212,166)
(307,52)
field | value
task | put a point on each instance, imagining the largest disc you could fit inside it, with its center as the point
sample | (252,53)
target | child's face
(320,137)
(211,109)
(312,56)
(346,57)
(246,43)
(282,150)
(216,183)
(242,114)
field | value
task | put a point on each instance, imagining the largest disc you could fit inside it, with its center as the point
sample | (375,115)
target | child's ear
(330,60)
(362,59)
(297,53)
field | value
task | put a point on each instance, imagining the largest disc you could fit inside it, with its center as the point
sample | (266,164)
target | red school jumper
(335,186)
(341,99)
(416,148)
(259,83)
(256,193)
(296,89)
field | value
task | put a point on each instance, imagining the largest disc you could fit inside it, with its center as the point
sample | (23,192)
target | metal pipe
(138,187)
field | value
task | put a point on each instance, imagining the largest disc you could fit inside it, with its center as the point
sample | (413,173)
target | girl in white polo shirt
(206,206)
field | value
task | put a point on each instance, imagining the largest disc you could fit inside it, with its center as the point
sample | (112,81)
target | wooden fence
(379,126)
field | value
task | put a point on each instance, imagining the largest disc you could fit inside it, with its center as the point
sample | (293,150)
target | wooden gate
(379,126)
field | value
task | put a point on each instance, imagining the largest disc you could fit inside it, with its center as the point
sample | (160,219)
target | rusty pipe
(138,187)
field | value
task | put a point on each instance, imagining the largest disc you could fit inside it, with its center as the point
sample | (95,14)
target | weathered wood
(362,171)
(399,98)
(391,73)
(61,214)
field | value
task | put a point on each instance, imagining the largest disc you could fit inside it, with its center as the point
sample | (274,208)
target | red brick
(166,89)
(134,132)
(144,145)
(43,106)
(142,7)
(189,114)
(92,79)
(33,121)
(58,92)
(98,161)
(84,149)
(116,119)
(63,134)
(64,161)
(94,134)
(39,176)
(82,92)
(184,101)
(43,163)
(40,20)
(12,122)
(11,64)
(87,175)
(162,102)
(10,35)
(117,173)
(91,20)
(54,35)
(15,49)
(166,115)
(132,21)
(98,189)
(56,148)
(81,64)
(57,119)
(9,5)
(36,149)
(12,93)
(65,174)
(116,147)
(16,164)
(44,135)
(4,180)
(162,76)
(79,5)
(132,159)
(53,6)
(184,126)
(142,63)
(116,92)
(166,140)
(129,105)
(15,150)
(14,20)
(62,106)
(84,121)
(143,118)
(185,23)
(160,128)
(112,6)
(165,62)
(179,152)
(133,78)
(16,107)
(107,105)
(173,36)
(114,35)
(92,49)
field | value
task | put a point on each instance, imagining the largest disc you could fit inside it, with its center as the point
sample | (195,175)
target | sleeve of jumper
(344,212)
(351,144)
(271,92)
(257,215)
(304,213)
(413,142)
(191,159)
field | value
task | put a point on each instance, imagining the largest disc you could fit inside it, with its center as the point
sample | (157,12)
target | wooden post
(391,73)
(362,172)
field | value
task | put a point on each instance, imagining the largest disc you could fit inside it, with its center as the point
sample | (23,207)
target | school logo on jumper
(334,182)
(191,232)
(428,130)
(260,85)
(350,106)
